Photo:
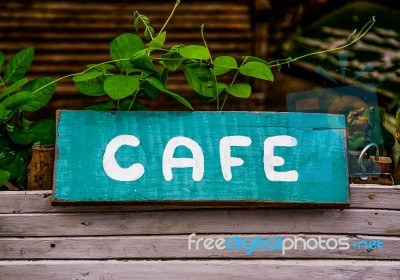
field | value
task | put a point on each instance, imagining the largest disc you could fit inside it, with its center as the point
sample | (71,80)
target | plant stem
(75,74)
(233,81)
(212,69)
(170,16)
(133,100)
(4,86)
(363,31)
(223,103)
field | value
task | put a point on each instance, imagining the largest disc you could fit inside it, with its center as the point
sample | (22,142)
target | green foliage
(139,69)
(123,48)
(121,86)
(17,134)
(18,65)
(142,70)
(148,30)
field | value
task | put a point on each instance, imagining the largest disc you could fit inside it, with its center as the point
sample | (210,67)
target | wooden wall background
(41,241)
(68,35)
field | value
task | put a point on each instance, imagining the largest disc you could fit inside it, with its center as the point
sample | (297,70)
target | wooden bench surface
(41,241)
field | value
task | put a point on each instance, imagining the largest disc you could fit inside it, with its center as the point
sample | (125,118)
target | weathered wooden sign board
(201,158)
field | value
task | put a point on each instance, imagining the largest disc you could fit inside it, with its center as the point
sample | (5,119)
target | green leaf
(181,100)
(18,65)
(42,133)
(158,42)
(13,87)
(152,91)
(3,112)
(90,83)
(257,70)
(254,58)
(195,52)
(87,76)
(148,31)
(172,60)
(200,78)
(224,64)
(18,167)
(14,160)
(240,90)
(123,48)
(221,87)
(102,106)
(92,87)
(120,86)
(45,131)
(18,100)
(159,85)
(142,61)
(42,90)
(24,122)
(4,176)
(2,59)
(7,152)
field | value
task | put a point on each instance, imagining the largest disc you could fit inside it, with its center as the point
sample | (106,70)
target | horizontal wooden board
(216,269)
(176,247)
(361,196)
(179,158)
(332,221)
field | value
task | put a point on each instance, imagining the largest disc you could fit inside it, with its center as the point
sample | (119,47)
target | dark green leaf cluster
(140,69)
(130,74)
(17,134)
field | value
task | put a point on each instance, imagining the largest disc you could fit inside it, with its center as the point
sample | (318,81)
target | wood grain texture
(367,222)
(361,197)
(126,157)
(176,247)
(233,269)
(41,241)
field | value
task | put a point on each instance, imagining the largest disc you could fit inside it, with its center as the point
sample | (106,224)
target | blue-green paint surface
(319,157)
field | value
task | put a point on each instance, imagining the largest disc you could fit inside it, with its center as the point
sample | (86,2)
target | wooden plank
(177,247)
(163,7)
(233,269)
(375,197)
(328,221)
(48,35)
(185,158)
(11,202)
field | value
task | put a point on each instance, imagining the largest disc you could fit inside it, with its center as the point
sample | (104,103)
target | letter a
(169,162)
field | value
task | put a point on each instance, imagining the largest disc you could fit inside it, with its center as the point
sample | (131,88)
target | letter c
(111,166)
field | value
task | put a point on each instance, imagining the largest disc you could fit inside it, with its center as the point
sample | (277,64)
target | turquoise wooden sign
(201,158)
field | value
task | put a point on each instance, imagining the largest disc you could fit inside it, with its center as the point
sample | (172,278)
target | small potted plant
(18,134)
